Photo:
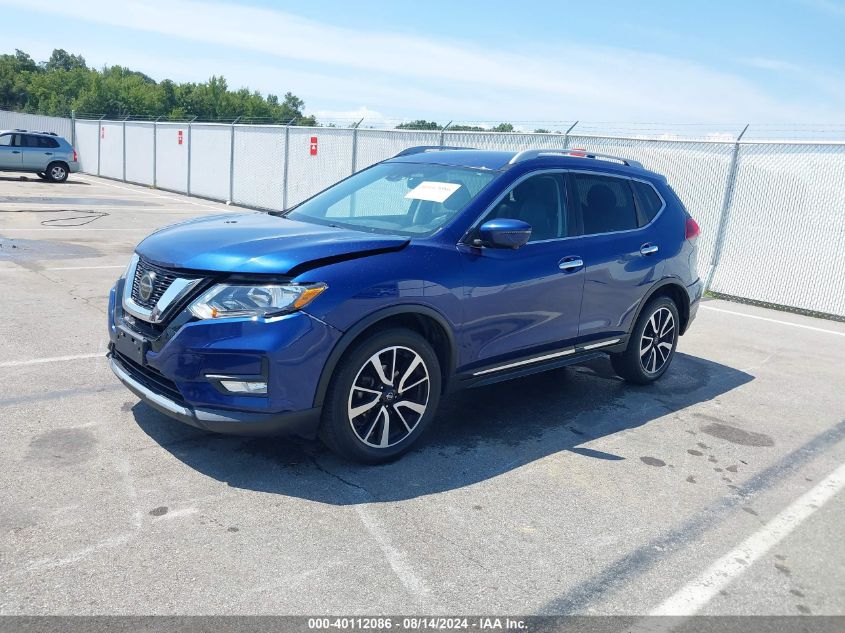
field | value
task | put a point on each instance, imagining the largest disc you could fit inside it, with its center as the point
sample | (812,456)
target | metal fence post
(99,138)
(188,184)
(155,153)
(232,162)
(443,132)
(355,144)
(73,128)
(124,147)
(723,215)
(285,167)
(566,135)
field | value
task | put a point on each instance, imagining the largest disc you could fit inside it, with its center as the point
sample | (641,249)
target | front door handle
(568,264)
(15,151)
(648,249)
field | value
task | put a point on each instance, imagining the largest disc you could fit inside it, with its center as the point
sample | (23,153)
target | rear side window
(607,203)
(46,141)
(28,141)
(648,200)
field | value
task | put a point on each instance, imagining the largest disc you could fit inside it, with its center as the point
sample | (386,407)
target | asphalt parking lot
(567,492)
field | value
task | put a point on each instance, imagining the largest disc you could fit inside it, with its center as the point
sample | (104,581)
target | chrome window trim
(480,219)
(177,290)
(568,170)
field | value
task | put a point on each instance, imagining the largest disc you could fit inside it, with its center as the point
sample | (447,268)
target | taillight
(74,156)
(693,231)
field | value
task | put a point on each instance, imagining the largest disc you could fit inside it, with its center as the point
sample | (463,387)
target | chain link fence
(772,214)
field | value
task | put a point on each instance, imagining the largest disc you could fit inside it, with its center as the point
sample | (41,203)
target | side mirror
(504,233)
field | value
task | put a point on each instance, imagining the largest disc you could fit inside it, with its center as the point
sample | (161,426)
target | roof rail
(421,149)
(577,153)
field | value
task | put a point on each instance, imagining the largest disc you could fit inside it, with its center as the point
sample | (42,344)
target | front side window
(398,198)
(541,202)
(607,203)
(6,140)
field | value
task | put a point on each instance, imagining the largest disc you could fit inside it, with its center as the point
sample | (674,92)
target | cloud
(766,63)
(341,68)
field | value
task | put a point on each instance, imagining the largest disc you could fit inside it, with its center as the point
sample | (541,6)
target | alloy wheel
(657,341)
(57,172)
(389,397)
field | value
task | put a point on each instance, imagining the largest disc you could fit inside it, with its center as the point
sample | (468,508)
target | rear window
(648,200)
(607,203)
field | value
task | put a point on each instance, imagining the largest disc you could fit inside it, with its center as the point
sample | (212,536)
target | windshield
(403,198)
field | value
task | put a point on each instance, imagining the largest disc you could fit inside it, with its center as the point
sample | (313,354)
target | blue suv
(349,315)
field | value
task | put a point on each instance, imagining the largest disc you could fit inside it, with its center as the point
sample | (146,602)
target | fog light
(244,386)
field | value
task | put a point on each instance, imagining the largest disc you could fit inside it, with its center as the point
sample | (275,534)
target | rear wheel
(652,343)
(57,172)
(382,397)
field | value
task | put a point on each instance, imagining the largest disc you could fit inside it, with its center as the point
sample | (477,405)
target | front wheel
(382,397)
(652,343)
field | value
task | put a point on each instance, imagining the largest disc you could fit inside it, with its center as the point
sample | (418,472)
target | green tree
(64,83)
(419,124)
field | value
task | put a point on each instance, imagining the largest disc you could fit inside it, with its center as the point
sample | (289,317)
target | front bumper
(302,423)
(177,370)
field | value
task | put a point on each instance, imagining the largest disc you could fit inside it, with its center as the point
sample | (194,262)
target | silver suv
(43,153)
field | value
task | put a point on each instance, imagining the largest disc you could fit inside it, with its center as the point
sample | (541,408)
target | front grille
(162,279)
(150,378)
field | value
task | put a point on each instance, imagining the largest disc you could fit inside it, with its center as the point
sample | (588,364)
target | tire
(648,357)
(41,175)
(57,172)
(370,380)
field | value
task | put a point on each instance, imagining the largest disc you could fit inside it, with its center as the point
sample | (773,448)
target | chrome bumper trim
(129,381)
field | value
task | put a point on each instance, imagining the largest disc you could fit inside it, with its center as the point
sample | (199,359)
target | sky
(538,64)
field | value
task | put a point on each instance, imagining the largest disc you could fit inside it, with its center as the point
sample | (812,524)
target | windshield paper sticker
(433,191)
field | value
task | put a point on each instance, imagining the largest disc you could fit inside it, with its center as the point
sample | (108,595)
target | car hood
(259,243)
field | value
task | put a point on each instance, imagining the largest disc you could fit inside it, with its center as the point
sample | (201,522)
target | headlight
(230,300)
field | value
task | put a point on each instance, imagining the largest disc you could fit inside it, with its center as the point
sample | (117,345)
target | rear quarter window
(648,200)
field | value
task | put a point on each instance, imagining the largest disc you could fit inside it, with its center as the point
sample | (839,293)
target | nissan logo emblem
(145,286)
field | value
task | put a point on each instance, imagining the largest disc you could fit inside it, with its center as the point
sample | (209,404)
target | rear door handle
(48,153)
(648,249)
(568,264)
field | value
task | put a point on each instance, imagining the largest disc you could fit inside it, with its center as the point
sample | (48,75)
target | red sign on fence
(313,150)
(102,131)
(179,137)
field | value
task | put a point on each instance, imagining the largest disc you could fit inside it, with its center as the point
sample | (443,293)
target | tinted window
(539,201)
(28,141)
(6,140)
(607,203)
(647,199)
(46,141)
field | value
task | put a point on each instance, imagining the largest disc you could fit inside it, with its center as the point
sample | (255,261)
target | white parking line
(86,267)
(54,359)
(759,318)
(695,595)
(184,199)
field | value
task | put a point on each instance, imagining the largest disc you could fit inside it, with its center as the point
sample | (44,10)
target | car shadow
(37,180)
(478,434)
